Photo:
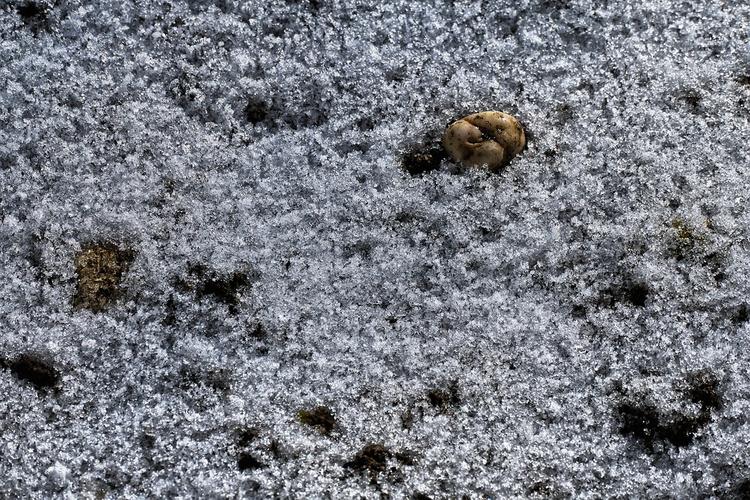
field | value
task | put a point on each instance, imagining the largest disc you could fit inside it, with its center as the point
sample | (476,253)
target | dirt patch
(35,370)
(100,268)
(321,418)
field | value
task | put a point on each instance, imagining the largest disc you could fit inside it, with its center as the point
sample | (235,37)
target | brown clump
(490,138)
(373,458)
(320,417)
(444,398)
(100,268)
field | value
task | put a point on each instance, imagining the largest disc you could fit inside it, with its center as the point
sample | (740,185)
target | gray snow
(589,304)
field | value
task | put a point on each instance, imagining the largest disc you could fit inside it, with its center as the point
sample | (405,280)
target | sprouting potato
(489,138)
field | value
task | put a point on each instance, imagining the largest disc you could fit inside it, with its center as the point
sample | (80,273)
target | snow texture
(575,326)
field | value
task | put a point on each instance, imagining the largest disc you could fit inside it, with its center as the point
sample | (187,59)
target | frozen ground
(576,326)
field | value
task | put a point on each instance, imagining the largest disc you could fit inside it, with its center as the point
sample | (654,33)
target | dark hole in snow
(224,289)
(407,419)
(422,159)
(258,332)
(247,436)
(170,312)
(742,314)
(637,293)
(703,389)
(645,421)
(578,311)
(34,370)
(34,15)
(248,462)
(148,441)
(365,123)
(692,98)
(256,111)
(444,398)
(639,421)
(405,457)
(739,491)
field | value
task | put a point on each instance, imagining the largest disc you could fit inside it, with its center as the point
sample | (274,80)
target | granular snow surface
(575,326)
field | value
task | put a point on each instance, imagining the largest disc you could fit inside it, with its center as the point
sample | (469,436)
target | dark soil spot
(247,436)
(445,398)
(742,314)
(366,123)
(645,421)
(100,268)
(541,489)
(147,441)
(553,6)
(397,75)
(565,113)
(170,312)
(34,15)
(422,159)
(639,421)
(315,5)
(34,370)
(256,111)
(259,332)
(578,311)
(320,417)
(276,449)
(637,293)
(361,248)
(685,240)
(225,289)
(740,491)
(373,458)
(715,262)
(680,430)
(308,110)
(692,98)
(405,457)
(703,389)
(420,496)
(248,462)
(632,292)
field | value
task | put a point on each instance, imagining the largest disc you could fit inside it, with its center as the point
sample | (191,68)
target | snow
(605,266)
